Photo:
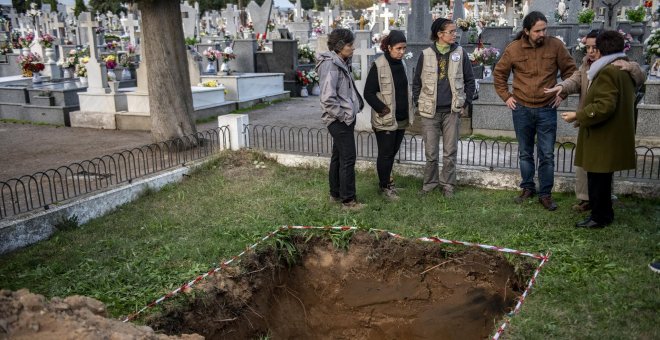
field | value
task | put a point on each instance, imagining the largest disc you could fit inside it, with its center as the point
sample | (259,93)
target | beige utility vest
(387,96)
(428,94)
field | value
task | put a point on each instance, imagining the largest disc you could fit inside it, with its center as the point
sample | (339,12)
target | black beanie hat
(396,37)
(437,26)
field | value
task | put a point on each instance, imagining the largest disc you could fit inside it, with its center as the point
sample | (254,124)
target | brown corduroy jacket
(534,68)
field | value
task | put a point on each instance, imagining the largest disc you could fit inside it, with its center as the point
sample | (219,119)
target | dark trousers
(388,145)
(342,162)
(600,196)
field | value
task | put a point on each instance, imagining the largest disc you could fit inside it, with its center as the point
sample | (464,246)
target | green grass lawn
(595,286)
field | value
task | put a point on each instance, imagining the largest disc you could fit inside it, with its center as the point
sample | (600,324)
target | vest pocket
(386,120)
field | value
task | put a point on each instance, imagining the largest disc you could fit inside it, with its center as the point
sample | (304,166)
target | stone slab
(97,102)
(206,97)
(247,86)
(94,120)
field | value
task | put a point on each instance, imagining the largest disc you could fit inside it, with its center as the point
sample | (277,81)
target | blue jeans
(540,123)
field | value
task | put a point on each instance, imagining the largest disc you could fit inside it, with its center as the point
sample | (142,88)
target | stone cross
(298,12)
(13,18)
(259,15)
(96,72)
(231,17)
(364,52)
(386,15)
(60,27)
(327,18)
(129,25)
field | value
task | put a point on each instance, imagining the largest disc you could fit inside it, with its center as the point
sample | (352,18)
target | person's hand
(511,103)
(557,101)
(623,65)
(556,90)
(385,111)
(569,117)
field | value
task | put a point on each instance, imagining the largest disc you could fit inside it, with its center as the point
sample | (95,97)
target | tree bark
(170,96)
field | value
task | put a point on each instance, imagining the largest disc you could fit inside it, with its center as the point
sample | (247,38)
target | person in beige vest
(579,83)
(387,92)
(442,86)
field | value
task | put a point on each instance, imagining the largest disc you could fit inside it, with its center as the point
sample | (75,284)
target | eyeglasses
(449,32)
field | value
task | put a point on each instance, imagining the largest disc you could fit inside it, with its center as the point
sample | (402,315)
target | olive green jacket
(606,140)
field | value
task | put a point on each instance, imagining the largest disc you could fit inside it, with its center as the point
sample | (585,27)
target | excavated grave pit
(381,287)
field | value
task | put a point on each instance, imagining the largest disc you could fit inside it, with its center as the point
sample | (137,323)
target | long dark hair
(529,21)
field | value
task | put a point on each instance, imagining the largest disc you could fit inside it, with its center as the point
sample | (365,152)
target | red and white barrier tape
(500,330)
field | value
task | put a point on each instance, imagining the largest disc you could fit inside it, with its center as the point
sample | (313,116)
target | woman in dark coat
(606,139)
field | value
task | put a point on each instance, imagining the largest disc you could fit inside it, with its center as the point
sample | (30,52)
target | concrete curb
(32,227)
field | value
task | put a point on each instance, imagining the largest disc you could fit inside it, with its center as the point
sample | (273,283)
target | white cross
(386,18)
(129,25)
(364,52)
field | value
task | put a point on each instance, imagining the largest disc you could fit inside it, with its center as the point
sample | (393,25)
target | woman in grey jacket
(340,103)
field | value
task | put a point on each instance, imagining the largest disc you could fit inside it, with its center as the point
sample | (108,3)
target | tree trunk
(170,96)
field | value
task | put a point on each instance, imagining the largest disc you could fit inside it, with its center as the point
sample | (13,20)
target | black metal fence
(490,154)
(45,188)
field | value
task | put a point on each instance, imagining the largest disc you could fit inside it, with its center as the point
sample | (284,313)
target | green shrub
(586,16)
(636,15)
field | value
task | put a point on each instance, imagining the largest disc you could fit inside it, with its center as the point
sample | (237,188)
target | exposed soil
(24,315)
(380,288)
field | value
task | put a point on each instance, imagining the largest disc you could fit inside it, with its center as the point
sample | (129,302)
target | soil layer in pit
(379,288)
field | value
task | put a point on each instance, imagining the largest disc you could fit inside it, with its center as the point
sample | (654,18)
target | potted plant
(585,18)
(636,17)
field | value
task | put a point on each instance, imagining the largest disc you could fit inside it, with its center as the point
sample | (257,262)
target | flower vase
(25,51)
(49,52)
(303,92)
(316,90)
(36,78)
(224,67)
(83,81)
(126,74)
(111,75)
(488,71)
(637,32)
(210,67)
(67,73)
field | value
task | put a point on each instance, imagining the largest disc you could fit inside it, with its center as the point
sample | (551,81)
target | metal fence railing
(45,188)
(490,154)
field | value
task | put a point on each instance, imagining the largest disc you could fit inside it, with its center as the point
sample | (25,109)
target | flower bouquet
(30,64)
(110,61)
(70,61)
(305,54)
(26,41)
(484,56)
(652,45)
(627,40)
(211,55)
(270,26)
(46,40)
(302,79)
(313,77)
(228,54)
(465,24)
(81,69)
(112,45)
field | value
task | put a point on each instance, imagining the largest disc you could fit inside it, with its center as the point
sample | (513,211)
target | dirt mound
(380,288)
(24,315)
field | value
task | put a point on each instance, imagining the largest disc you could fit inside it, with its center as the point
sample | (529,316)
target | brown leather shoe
(582,206)
(524,195)
(548,202)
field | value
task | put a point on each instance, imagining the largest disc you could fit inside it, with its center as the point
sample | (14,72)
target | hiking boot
(352,205)
(524,195)
(582,206)
(589,223)
(548,202)
(389,193)
(448,192)
(334,199)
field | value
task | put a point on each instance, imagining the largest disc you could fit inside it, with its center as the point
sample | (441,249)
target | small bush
(636,15)
(586,16)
